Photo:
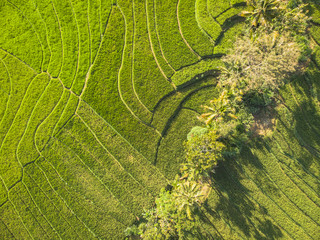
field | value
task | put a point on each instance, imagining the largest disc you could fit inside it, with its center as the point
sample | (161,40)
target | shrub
(202,155)
(261,64)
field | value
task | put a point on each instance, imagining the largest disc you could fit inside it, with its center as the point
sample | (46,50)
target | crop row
(174,48)
(11,167)
(191,31)
(102,90)
(82,180)
(18,31)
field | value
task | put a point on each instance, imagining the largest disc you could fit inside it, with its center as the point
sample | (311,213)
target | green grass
(198,41)
(174,48)
(96,100)
(195,72)
(205,20)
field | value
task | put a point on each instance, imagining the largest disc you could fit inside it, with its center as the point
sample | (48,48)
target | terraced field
(96,99)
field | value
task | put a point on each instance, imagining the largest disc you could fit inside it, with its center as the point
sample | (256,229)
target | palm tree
(263,11)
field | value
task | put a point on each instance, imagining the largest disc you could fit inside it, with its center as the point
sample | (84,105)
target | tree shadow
(234,204)
(306,127)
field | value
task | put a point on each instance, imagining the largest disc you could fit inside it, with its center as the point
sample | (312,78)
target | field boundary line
(211,223)
(63,111)
(22,200)
(46,119)
(100,24)
(7,191)
(94,60)
(157,34)
(89,32)
(300,165)
(14,56)
(306,147)
(62,42)
(175,113)
(113,157)
(35,203)
(64,201)
(151,44)
(97,139)
(199,24)
(34,30)
(79,47)
(7,228)
(227,222)
(310,126)
(9,95)
(45,24)
(50,200)
(295,205)
(72,115)
(65,184)
(271,179)
(293,182)
(15,115)
(180,30)
(102,165)
(40,154)
(106,187)
(133,57)
(248,196)
(27,125)
(15,209)
(119,77)
(109,125)
(294,172)
(271,199)
(68,188)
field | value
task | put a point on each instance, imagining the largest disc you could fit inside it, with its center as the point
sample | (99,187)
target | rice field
(96,100)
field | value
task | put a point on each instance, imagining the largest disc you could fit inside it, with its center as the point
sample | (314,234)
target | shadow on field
(306,115)
(242,187)
(304,96)
(233,203)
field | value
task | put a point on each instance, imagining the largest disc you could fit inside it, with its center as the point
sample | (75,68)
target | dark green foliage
(203,151)
(263,12)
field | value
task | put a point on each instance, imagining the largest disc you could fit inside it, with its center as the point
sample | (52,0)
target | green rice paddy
(96,100)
